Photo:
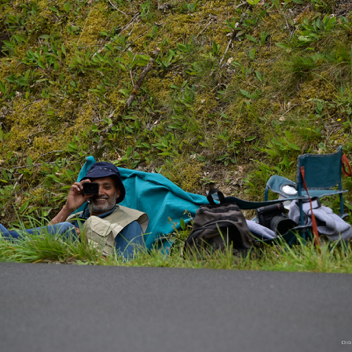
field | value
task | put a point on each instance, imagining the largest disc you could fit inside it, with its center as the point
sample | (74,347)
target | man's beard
(97,208)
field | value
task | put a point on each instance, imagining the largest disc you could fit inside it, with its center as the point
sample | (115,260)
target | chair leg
(342,210)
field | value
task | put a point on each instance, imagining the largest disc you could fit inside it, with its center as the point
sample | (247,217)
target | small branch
(54,151)
(102,135)
(206,26)
(131,77)
(141,77)
(293,106)
(116,8)
(242,4)
(233,36)
(18,180)
(227,48)
(23,167)
(34,165)
(128,24)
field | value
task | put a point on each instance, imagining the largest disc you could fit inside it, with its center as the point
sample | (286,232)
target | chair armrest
(301,227)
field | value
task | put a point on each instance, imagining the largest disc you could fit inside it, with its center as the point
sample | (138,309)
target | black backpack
(218,226)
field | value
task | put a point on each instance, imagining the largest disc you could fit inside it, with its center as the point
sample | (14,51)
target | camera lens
(90,188)
(281,224)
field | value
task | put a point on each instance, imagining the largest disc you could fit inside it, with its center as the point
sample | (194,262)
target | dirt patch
(343,7)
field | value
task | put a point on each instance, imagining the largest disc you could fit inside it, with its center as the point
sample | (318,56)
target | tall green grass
(304,257)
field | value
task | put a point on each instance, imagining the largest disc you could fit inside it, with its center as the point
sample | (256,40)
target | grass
(332,258)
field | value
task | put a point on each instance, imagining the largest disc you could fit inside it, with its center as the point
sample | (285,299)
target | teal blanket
(163,201)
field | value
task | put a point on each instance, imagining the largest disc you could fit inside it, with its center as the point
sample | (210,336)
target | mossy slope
(236,93)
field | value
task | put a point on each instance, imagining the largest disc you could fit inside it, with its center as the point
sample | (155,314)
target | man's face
(106,199)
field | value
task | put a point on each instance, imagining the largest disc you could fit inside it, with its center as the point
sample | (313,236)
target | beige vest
(102,232)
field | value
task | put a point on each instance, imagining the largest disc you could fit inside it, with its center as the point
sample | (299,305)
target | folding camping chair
(318,175)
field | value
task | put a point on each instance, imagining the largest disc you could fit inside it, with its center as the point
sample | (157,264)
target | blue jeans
(126,243)
(63,228)
(130,240)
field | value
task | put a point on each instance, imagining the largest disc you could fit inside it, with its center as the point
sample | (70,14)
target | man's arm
(75,199)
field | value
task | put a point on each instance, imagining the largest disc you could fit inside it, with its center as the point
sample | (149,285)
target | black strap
(219,194)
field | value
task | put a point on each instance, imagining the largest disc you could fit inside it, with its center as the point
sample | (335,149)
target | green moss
(7,67)
(205,105)
(160,88)
(184,172)
(95,23)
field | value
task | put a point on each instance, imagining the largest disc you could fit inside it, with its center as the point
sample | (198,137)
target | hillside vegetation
(237,91)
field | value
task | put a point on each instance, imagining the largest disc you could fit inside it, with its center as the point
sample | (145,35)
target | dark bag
(219,227)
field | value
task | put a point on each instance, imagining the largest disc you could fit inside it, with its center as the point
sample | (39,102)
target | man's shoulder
(121,210)
(125,213)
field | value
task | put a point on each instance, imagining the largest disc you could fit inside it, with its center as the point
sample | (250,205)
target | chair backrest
(322,171)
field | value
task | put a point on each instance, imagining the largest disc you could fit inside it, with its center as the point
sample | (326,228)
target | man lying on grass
(105,223)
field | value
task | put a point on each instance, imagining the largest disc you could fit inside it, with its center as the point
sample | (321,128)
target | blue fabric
(89,162)
(322,171)
(130,240)
(163,201)
(63,228)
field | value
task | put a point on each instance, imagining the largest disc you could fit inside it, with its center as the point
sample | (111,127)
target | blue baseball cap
(105,169)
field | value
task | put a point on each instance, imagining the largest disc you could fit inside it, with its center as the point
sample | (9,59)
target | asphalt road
(53,307)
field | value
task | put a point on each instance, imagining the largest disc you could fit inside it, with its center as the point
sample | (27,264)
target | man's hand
(74,200)
(75,196)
